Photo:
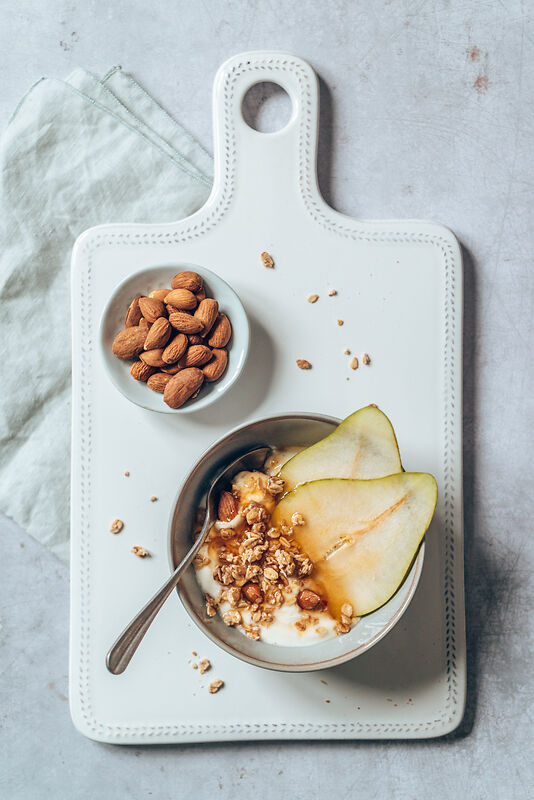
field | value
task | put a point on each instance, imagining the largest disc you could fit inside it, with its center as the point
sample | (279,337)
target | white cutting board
(399,290)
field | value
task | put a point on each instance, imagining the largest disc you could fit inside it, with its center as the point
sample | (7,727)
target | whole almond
(187,280)
(182,386)
(158,382)
(227,507)
(197,354)
(201,294)
(182,299)
(252,592)
(153,358)
(207,313)
(217,365)
(308,599)
(221,332)
(151,308)
(185,323)
(172,369)
(159,294)
(175,349)
(195,339)
(129,342)
(141,371)
(159,334)
(134,314)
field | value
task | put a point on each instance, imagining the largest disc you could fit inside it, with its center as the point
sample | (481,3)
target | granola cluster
(258,567)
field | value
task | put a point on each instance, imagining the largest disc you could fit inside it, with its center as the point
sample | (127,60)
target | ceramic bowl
(159,277)
(279,431)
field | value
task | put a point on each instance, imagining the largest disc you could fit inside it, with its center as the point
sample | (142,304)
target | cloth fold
(75,153)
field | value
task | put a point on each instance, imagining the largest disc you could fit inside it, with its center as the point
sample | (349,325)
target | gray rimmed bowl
(279,431)
(159,277)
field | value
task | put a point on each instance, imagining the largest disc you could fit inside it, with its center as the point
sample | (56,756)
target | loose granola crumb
(297,519)
(354,363)
(340,322)
(366,359)
(126,474)
(204,665)
(194,665)
(346,351)
(232,617)
(267,260)
(347,610)
(194,653)
(215,685)
(321,631)
(116,526)
(140,552)
(312,298)
(211,605)
(332,292)
(270,574)
(325,683)
(153,499)
(303,364)
(327,701)
(275,486)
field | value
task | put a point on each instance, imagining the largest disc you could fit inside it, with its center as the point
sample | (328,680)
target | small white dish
(159,277)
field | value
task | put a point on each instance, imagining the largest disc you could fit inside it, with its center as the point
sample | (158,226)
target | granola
(256,576)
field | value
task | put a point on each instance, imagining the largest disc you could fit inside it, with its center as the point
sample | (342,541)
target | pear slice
(361,535)
(362,446)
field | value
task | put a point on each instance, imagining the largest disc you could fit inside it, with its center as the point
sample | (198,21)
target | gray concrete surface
(427,112)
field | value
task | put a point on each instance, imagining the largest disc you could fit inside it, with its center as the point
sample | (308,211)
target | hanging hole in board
(266,107)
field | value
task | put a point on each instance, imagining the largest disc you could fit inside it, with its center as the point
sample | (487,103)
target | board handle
(247,159)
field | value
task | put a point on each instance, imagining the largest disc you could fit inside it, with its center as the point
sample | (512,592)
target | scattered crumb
(340,322)
(354,363)
(346,351)
(194,653)
(153,499)
(139,551)
(325,683)
(388,699)
(116,526)
(215,686)
(204,664)
(332,292)
(303,364)
(312,298)
(347,379)
(267,260)
(366,359)
(327,701)
(194,665)
(126,474)
(395,705)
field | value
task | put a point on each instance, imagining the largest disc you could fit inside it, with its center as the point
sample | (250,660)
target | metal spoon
(124,647)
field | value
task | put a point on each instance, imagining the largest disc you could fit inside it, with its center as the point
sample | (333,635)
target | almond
(129,342)
(153,358)
(141,371)
(195,339)
(221,332)
(151,308)
(207,313)
(185,323)
(172,369)
(227,507)
(187,280)
(197,354)
(181,386)
(308,600)
(134,314)
(217,365)
(159,294)
(175,349)
(158,382)
(182,299)
(201,294)
(252,592)
(159,334)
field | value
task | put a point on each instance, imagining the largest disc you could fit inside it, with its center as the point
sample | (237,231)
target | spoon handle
(122,650)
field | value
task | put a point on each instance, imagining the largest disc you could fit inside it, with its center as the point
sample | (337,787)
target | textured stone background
(427,113)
